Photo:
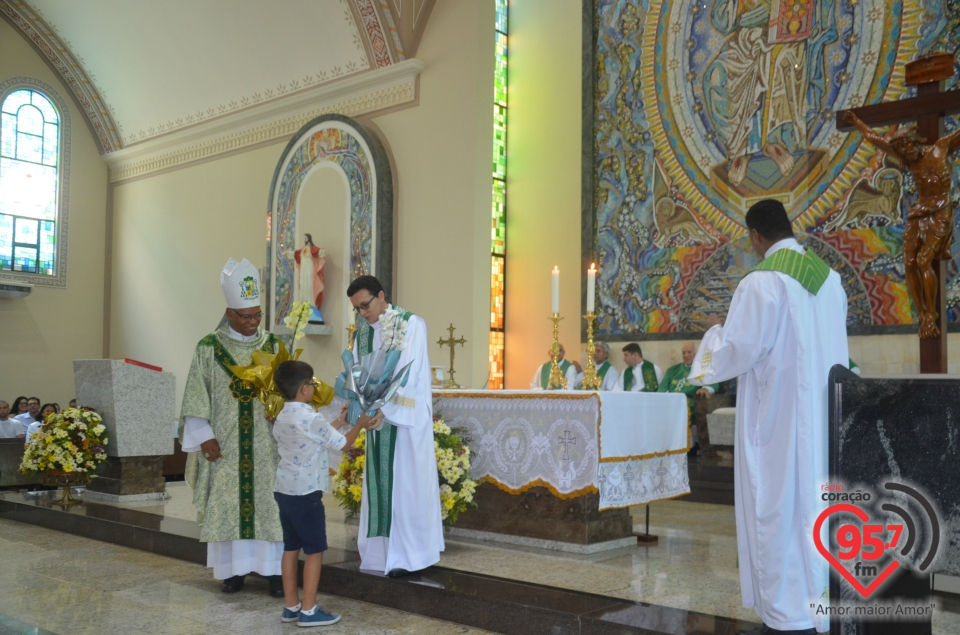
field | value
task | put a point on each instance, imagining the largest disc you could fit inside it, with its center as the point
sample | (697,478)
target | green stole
(602,371)
(245,395)
(381,451)
(545,372)
(649,373)
(806,268)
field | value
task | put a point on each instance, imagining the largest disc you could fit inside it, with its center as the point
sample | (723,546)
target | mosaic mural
(703,107)
(338,143)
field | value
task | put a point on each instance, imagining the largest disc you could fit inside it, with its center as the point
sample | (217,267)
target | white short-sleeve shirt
(303,437)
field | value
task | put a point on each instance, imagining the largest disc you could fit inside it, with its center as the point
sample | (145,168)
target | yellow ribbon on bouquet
(259,374)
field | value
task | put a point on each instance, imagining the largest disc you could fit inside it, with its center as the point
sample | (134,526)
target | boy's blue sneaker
(289,616)
(319,618)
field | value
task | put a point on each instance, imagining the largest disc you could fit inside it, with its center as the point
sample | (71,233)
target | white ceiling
(164,65)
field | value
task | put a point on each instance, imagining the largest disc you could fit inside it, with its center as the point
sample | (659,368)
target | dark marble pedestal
(538,518)
(128,478)
(901,430)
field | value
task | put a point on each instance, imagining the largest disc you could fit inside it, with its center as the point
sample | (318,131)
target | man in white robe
(401,529)
(786,328)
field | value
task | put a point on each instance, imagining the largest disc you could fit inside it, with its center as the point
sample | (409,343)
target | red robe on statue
(318,262)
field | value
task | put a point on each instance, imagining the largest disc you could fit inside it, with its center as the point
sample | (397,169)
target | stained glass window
(29,161)
(498,237)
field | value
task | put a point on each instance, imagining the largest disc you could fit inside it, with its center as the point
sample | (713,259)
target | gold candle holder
(591,380)
(351,332)
(557,380)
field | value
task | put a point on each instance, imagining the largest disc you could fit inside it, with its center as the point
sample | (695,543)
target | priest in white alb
(233,456)
(401,529)
(785,329)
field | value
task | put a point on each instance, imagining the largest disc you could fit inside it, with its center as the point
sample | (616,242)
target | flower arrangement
(297,319)
(453,466)
(393,329)
(71,441)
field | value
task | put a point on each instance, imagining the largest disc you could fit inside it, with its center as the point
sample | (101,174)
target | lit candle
(591,286)
(556,290)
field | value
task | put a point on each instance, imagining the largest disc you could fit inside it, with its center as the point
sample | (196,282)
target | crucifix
(452,343)
(928,231)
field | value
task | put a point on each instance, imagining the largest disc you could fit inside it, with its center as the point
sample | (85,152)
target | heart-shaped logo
(862,515)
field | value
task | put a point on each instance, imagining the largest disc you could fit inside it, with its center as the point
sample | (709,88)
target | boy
(303,437)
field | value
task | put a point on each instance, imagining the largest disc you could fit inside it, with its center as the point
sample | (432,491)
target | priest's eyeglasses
(363,306)
(253,317)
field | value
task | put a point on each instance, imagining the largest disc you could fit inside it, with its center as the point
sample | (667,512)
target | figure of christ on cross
(929,225)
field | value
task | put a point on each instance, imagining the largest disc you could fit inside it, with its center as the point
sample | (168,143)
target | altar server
(570,370)
(222,420)
(401,529)
(786,328)
(640,375)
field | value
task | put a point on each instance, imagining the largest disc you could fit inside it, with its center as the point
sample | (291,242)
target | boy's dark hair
(369,283)
(633,347)
(291,376)
(769,217)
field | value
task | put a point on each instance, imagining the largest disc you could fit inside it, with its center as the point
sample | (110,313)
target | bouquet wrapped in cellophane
(259,374)
(370,383)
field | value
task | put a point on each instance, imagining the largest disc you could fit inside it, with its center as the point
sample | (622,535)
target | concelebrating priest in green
(675,379)
(401,529)
(233,457)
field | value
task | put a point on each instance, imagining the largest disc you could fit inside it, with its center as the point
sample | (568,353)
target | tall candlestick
(556,290)
(591,286)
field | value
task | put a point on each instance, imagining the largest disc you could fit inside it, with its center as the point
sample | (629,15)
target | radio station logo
(876,538)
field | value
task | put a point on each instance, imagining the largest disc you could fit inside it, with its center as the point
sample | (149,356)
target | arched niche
(341,145)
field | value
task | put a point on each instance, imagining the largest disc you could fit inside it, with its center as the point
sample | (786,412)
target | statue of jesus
(310,260)
(928,232)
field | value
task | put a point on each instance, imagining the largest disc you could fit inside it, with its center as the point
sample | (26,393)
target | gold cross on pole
(452,343)
(351,331)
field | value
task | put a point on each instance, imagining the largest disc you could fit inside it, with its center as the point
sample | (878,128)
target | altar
(560,469)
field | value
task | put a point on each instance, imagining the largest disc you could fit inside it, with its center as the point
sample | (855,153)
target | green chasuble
(234,496)
(602,370)
(381,450)
(545,373)
(806,268)
(649,374)
(675,380)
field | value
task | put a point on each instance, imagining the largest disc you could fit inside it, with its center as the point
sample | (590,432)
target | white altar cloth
(631,448)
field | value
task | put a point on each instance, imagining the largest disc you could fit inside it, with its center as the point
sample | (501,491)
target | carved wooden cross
(928,109)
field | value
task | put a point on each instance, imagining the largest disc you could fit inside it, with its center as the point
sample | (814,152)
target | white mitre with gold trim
(241,284)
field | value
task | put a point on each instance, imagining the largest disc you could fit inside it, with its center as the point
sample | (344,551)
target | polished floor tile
(56,583)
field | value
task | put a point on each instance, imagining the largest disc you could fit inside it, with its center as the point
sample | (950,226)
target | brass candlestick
(351,332)
(591,380)
(452,343)
(557,380)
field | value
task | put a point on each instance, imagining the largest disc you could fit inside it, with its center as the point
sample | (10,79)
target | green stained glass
(499,142)
(498,232)
(29,155)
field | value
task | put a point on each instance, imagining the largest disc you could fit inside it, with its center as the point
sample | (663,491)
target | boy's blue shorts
(303,521)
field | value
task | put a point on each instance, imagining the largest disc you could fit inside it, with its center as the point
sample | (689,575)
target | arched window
(31,178)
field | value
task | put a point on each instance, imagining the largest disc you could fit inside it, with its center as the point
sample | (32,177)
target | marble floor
(692,566)
(57,583)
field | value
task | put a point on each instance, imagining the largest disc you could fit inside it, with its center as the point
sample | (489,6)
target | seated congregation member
(640,375)
(607,373)
(303,437)
(32,413)
(46,411)
(10,428)
(73,403)
(19,407)
(542,377)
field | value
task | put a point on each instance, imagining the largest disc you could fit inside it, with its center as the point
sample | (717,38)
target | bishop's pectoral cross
(452,343)
(929,224)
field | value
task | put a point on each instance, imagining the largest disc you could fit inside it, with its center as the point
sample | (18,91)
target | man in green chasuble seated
(676,380)
(570,370)
(401,530)
(233,456)
(640,375)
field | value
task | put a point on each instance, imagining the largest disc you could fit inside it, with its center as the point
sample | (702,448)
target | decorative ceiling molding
(22,17)
(376,25)
(410,18)
(359,94)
